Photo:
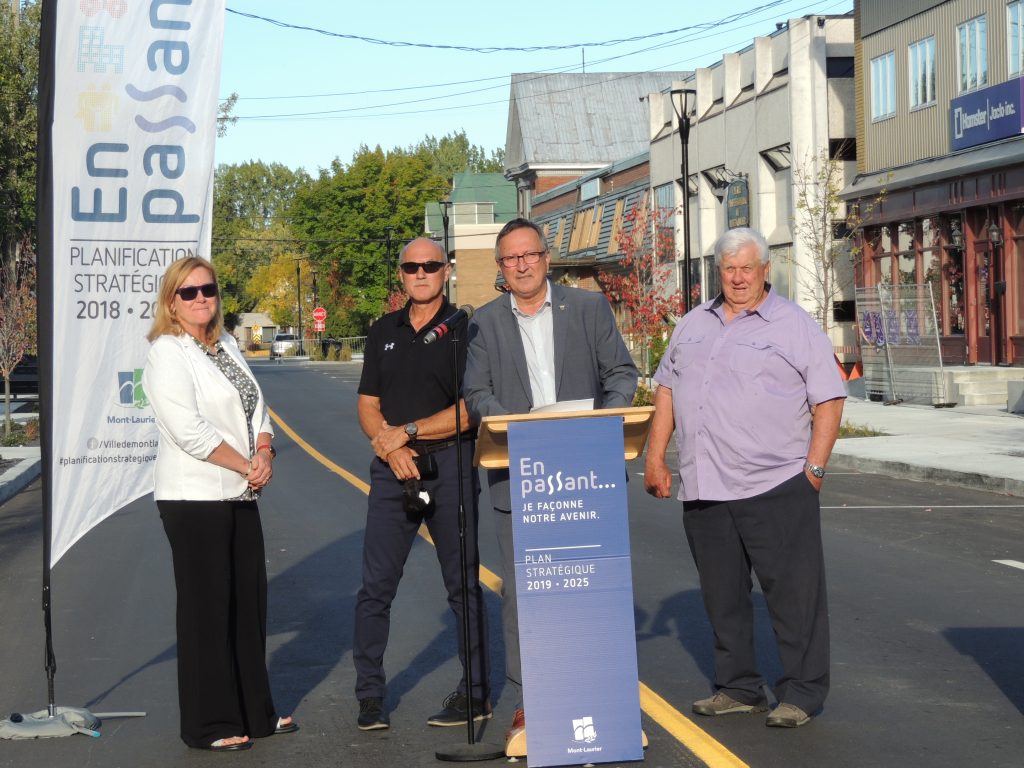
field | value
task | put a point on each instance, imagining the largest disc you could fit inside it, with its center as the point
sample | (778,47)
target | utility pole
(298,298)
(387,240)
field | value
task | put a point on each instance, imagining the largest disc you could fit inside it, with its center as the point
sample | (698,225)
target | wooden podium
(575,451)
(492,441)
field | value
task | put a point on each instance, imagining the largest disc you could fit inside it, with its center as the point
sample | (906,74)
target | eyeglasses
(189,292)
(530,257)
(412,267)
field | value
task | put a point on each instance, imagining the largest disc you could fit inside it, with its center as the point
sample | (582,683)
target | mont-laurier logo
(129,389)
(583,730)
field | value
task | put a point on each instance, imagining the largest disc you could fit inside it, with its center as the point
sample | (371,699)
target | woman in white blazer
(213,458)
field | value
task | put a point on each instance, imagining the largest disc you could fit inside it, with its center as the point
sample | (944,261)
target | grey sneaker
(724,704)
(787,716)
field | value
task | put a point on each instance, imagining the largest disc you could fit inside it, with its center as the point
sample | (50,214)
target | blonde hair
(164,321)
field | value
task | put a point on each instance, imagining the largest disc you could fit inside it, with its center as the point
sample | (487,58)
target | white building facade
(764,116)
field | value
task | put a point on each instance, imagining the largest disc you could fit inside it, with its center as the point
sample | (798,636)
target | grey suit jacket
(591,361)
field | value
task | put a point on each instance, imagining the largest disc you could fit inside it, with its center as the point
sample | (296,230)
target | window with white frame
(921,63)
(665,197)
(972,41)
(883,86)
(1015,37)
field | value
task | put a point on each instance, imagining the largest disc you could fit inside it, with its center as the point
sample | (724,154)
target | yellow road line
(488,578)
(702,745)
(699,742)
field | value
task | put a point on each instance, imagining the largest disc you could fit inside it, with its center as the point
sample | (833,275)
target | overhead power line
(508,49)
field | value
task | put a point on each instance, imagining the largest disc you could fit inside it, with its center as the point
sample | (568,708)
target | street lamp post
(681,103)
(445,205)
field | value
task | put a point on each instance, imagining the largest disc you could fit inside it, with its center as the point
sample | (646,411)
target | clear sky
(306,97)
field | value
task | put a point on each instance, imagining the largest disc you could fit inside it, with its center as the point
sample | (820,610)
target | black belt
(434,446)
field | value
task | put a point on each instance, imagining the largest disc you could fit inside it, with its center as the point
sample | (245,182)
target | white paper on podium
(565,406)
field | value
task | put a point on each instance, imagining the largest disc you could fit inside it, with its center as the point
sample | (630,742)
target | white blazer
(197,409)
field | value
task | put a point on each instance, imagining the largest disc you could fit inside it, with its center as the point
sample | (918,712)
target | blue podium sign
(570,529)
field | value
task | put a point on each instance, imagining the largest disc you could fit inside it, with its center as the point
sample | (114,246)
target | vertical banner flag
(570,530)
(134,125)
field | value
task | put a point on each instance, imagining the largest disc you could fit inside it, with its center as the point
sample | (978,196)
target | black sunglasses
(412,267)
(189,292)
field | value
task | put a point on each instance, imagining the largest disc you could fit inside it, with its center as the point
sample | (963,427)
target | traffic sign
(320,314)
(319,326)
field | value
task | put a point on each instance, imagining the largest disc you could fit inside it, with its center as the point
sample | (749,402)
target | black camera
(416,498)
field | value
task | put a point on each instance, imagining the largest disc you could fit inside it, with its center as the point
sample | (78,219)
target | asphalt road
(927,629)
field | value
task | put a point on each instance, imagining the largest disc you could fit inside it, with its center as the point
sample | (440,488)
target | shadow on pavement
(997,650)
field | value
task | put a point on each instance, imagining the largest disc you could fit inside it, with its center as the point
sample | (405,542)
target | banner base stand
(470,753)
(66,721)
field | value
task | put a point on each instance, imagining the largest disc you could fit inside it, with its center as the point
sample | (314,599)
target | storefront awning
(959,164)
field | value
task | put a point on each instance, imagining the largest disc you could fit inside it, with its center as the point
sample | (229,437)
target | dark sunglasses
(189,292)
(412,267)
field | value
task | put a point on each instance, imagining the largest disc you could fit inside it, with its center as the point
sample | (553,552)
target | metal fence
(900,344)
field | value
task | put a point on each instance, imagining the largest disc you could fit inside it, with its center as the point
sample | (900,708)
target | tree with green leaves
(250,225)
(19,94)
(347,218)
(454,154)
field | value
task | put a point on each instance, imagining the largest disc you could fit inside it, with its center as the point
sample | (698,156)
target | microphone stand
(472,751)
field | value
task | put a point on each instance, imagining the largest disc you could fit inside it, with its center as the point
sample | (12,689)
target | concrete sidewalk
(979,447)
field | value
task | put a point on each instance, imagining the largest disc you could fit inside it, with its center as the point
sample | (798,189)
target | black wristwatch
(411,430)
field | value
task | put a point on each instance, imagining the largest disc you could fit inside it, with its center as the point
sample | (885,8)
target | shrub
(643,396)
(346,353)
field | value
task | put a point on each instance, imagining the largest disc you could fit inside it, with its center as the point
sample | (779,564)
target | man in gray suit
(542,344)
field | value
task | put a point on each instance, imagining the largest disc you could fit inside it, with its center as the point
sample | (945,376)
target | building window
(921,63)
(778,158)
(883,86)
(590,189)
(1015,37)
(842,149)
(559,235)
(665,197)
(613,238)
(973,54)
(718,178)
(839,66)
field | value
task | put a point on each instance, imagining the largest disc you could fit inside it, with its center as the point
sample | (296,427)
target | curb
(975,481)
(24,472)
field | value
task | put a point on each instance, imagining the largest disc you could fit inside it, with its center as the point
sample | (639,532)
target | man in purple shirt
(750,386)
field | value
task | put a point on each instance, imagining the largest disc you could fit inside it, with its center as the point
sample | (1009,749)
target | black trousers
(390,533)
(778,535)
(221,578)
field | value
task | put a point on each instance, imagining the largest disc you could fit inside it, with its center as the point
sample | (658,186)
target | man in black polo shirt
(407,409)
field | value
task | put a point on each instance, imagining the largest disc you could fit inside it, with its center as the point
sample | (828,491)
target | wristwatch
(814,469)
(411,430)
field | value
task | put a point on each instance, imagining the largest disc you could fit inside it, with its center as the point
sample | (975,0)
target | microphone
(465,312)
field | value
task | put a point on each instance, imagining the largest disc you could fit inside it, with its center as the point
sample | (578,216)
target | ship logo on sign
(583,730)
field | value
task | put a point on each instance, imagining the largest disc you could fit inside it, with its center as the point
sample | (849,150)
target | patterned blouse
(247,391)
